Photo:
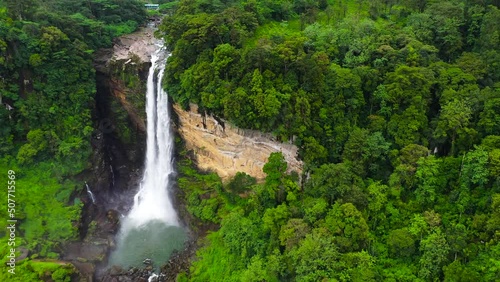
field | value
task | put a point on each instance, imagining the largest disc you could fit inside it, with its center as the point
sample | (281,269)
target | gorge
(150,228)
(312,140)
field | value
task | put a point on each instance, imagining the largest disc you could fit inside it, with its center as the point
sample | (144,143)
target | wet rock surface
(139,44)
(178,262)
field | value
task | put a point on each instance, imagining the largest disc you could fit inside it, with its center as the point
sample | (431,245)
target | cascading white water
(153,201)
(153,276)
(89,192)
(151,229)
(112,176)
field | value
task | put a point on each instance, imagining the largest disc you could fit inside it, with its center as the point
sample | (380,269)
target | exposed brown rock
(228,149)
(141,43)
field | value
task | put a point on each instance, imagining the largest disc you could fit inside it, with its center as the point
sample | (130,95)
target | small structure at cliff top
(152,6)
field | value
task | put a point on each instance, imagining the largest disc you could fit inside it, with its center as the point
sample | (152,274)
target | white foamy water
(89,192)
(152,202)
(153,276)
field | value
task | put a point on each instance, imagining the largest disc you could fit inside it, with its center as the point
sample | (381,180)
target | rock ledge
(226,149)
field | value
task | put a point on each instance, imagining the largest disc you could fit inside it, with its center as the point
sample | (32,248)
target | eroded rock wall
(226,150)
(125,68)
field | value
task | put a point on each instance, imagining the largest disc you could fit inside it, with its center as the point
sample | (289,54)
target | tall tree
(453,121)
(435,251)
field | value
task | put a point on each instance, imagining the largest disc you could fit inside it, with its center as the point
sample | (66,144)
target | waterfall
(151,229)
(112,176)
(89,192)
(153,201)
(153,276)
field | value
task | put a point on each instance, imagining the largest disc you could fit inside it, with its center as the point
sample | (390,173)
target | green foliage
(348,226)
(293,232)
(336,181)
(48,83)
(317,257)
(388,103)
(475,170)
(394,108)
(241,182)
(46,217)
(429,181)
(40,270)
(363,151)
(454,120)
(401,243)
(434,250)
(43,207)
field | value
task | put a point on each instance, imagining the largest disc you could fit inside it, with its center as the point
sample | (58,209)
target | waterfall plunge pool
(153,240)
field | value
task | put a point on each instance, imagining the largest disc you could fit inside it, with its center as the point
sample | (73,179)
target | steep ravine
(118,143)
(119,149)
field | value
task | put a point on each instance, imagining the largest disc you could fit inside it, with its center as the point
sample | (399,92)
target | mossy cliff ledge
(226,149)
(119,117)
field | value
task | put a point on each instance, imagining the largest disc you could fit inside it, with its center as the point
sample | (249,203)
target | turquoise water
(154,240)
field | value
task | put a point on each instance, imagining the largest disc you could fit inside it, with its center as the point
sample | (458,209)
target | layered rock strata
(225,149)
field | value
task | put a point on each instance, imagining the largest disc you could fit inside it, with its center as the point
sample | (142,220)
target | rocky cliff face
(225,149)
(123,71)
(222,149)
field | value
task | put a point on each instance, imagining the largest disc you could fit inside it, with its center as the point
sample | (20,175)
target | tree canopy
(394,108)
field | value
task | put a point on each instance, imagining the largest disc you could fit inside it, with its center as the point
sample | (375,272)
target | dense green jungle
(393,104)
